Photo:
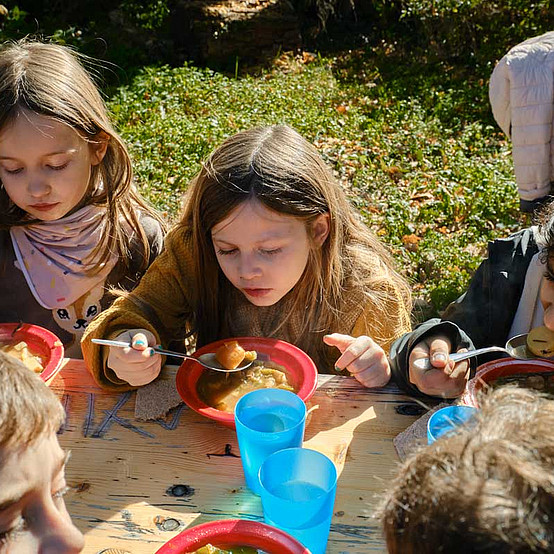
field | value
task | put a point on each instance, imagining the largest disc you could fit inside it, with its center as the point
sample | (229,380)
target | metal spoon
(207,360)
(516,347)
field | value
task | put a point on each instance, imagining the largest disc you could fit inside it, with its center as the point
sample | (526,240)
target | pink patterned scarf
(54,256)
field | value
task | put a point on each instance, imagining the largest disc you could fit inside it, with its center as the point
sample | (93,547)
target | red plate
(41,341)
(234,532)
(489,372)
(301,373)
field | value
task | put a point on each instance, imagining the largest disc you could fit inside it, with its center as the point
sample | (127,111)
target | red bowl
(40,341)
(234,532)
(489,372)
(301,373)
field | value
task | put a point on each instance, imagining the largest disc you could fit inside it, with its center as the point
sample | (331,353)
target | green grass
(413,144)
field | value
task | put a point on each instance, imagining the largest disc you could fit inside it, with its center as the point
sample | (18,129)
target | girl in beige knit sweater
(267,245)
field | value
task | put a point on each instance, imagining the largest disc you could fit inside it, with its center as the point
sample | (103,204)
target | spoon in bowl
(208,360)
(516,347)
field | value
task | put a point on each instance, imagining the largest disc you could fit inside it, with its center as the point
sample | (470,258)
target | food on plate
(231,354)
(222,391)
(210,549)
(20,350)
(540,380)
(540,342)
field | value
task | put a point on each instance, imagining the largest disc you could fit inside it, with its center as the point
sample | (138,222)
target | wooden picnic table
(136,484)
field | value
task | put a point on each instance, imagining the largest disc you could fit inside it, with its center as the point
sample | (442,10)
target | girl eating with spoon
(267,245)
(511,293)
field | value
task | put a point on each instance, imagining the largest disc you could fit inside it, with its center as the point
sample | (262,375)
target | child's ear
(98,147)
(320,228)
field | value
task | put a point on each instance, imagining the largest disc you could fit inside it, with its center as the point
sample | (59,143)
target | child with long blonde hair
(267,245)
(72,223)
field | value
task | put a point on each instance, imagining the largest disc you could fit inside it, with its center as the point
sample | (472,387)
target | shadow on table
(355,427)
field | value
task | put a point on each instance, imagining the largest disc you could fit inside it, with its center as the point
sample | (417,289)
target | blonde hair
(282,170)
(49,80)
(486,488)
(28,408)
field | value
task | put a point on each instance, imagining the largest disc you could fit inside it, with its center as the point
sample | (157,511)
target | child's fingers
(137,365)
(362,357)
(373,377)
(139,339)
(372,367)
(137,368)
(142,340)
(145,375)
(127,359)
(356,348)
(419,352)
(342,342)
(439,349)
(461,368)
(371,357)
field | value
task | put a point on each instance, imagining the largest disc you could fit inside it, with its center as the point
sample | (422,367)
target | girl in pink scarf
(71,221)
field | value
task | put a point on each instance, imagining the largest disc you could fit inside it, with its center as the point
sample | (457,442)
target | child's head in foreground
(59,151)
(33,516)
(488,488)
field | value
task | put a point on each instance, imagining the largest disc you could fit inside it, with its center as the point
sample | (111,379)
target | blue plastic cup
(298,494)
(447,419)
(267,420)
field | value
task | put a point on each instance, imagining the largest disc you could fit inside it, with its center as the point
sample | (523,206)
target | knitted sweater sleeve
(160,303)
(386,319)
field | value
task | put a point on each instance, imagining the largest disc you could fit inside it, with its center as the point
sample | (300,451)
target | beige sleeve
(160,303)
(499,96)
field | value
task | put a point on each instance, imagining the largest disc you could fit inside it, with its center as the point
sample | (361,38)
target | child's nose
(249,268)
(38,188)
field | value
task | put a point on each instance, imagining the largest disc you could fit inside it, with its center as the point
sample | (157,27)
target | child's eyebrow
(16,496)
(10,501)
(271,235)
(262,241)
(55,153)
(216,239)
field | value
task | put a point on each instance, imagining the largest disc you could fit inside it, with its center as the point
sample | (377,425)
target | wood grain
(137,484)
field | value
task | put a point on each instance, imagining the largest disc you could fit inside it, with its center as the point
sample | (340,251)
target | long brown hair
(49,80)
(282,170)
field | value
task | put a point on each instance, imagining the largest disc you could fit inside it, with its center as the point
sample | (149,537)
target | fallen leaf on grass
(411,242)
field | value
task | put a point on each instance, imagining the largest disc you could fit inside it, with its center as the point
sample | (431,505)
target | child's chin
(268,300)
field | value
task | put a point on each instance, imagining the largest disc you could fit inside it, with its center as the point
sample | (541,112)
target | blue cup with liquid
(267,420)
(446,420)
(298,488)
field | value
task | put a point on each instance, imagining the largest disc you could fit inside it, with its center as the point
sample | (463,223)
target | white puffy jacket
(521,92)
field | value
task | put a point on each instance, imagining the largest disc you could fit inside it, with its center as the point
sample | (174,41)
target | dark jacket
(483,315)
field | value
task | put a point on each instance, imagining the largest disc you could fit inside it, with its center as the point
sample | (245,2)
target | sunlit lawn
(414,145)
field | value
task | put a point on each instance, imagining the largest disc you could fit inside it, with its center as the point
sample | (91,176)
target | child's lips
(257,293)
(44,207)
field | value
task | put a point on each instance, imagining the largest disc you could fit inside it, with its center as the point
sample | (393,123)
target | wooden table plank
(136,484)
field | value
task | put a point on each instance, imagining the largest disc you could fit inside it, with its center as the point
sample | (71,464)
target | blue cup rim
(326,490)
(468,411)
(279,392)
